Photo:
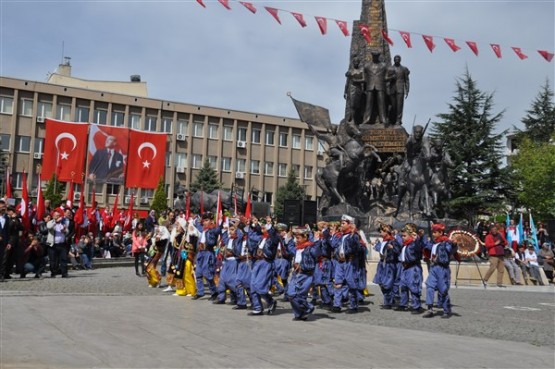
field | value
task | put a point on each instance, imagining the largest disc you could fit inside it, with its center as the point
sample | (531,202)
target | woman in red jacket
(495,244)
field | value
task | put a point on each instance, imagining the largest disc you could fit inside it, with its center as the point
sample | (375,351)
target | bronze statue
(354,91)
(374,73)
(397,79)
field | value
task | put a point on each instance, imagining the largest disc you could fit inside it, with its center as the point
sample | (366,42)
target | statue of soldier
(354,91)
(374,77)
(397,78)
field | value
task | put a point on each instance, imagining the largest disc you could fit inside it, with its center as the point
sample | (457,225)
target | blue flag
(521,230)
(534,234)
(509,234)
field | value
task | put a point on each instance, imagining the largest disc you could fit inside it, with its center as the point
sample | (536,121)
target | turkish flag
(24,205)
(473,46)
(299,17)
(343,27)
(322,24)
(496,49)
(225,3)
(452,44)
(8,183)
(40,203)
(546,55)
(201,3)
(518,51)
(429,40)
(107,155)
(365,32)
(64,151)
(274,13)
(219,210)
(406,38)
(79,217)
(146,160)
(386,37)
(248,210)
(69,200)
(248,6)
(188,206)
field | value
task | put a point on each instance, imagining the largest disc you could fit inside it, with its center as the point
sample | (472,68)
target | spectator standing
(58,253)
(495,244)
(138,248)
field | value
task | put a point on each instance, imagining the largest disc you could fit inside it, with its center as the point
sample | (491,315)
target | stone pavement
(72,323)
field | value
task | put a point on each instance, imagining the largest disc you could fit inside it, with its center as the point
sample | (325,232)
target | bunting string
(343,26)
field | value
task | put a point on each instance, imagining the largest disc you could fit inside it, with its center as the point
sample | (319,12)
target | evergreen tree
(207,179)
(539,121)
(54,191)
(468,129)
(292,190)
(159,201)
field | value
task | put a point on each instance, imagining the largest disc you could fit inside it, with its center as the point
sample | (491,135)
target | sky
(237,60)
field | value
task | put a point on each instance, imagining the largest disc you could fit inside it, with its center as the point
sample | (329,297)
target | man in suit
(107,164)
(4,238)
(398,80)
(374,76)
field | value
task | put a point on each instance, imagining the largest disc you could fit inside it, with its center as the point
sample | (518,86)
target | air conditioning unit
(144,200)
(320,153)
(40,119)
(239,175)
(180,137)
(37,155)
(77,197)
(180,170)
(241,144)
(127,200)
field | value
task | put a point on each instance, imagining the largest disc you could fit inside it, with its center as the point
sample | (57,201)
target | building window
(228,133)
(296,142)
(82,114)
(255,166)
(256,133)
(146,194)
(22,143)
(168,159)
(6,105)
(182,127)
(5,142)
(267,197)
(63,112)
(269,168)
(26,107)
(167,124)
(44,109)
(270,138)
(226,164)
(308,172)
(198,130)
(100,116)
(112,189)
(135,121)
(213,131)
(118,118)
(283,139)
(297,169)
(241,164)
(213,160)
(321,147)
(39,145)
(197,161)
(282,169)
(18,181)
(309,143)
(150,123)
(181,160)
(242,134)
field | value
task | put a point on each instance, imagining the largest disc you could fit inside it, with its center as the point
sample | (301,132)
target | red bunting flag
(201,3)
(386,37)
(429,40)
(225,3)
(300,18)
(546,55)
(406,38)
(248,209)
(518,51)
(274,13)
(365,31)
(473,46)
(496,49)
(146,159)
(69,200)
(452,44)
(343,27)
(322,24)
(248,6)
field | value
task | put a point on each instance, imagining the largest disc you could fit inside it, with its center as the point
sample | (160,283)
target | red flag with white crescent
(473,46)
(219,211)
(188,206)
(24,205)
(365,31)
(451,43)
(386,37)
(322,24)
(519,53)
(406,38)
(65,145)
(69,200)
(274,13)
(146,159)
(496,49)
(429,40)
(40,202)
(248,210)
(248,6)
(343,27)
(546,55)
(300,18)
(225,3)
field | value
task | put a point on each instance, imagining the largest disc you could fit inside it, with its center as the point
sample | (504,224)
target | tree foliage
(477,179)
(54,191)
(539,121)
(206,180)
(159,201)
(292,190)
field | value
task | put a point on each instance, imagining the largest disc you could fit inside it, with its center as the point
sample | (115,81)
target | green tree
(292,190)
(207,179)
(539,121)
(477,179)
(534,170)
(54,191)
(159,201)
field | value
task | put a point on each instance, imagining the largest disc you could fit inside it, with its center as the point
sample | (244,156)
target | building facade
(251,151)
